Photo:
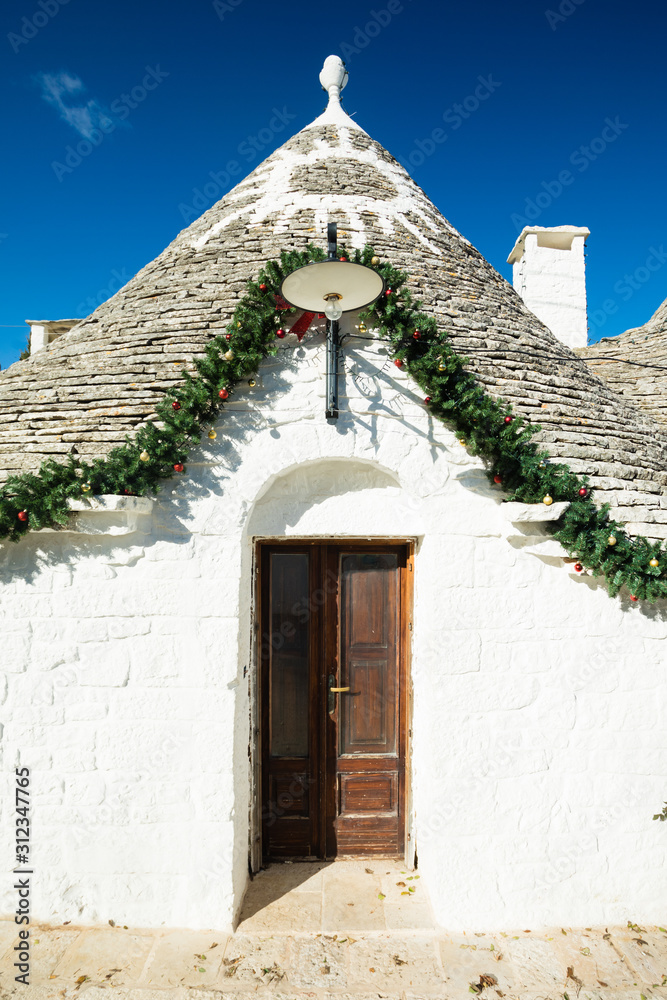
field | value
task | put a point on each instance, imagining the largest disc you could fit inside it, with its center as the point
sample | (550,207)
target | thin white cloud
(65,92)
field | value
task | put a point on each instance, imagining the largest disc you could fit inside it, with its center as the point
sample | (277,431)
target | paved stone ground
(346,931)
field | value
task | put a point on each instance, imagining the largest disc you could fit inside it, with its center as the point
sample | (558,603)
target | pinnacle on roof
(333,78)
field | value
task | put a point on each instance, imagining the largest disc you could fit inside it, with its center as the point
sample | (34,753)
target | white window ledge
(107,515)
(522,512)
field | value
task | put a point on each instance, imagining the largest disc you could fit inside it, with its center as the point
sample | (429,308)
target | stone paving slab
(360,930)
(128,964)
(184,958)
(105,953)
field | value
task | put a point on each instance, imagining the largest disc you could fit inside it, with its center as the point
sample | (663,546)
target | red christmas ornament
(416,335)
(398,363)
(633,598)
(262,288)
(497,479)
(342,258)
(223,394)
(178,467)
(23,515)
(176,405)
(578,567)
(583,492)
(280,333)
(508,420)
(228,336)
(427,400)
(388,292)
(128,492)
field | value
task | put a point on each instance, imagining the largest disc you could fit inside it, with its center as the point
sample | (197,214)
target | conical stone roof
(103,379)
(625,364)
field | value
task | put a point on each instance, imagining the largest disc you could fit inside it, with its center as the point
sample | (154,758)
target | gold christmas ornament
(654,562)
(228,355)
(252,383)
(212,434)
(362,328)
(547,500)
(375,261)
(86,487)
(462,441)
(145,457)
(611,540)
(441,365)
(238,325)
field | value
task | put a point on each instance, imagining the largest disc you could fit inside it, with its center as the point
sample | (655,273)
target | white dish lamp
(332,287)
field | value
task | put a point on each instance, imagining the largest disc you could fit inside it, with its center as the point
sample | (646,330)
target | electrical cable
(530,354)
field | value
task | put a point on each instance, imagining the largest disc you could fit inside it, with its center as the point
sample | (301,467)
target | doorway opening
(333,698)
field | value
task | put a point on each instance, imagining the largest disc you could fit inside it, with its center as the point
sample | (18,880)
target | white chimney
(550,277)
(44,331)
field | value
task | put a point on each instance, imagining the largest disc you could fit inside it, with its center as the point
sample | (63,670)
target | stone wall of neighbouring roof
(645,387)
(103,379)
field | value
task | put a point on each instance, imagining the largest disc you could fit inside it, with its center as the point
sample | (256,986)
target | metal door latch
(331,691)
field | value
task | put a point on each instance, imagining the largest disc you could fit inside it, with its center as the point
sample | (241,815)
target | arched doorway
(332,604)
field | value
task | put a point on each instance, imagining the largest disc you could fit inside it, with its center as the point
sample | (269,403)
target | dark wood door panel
(369,793)
(370,835)
(290,656)
(288,813)
(368,711)
(369,751)
(333,615)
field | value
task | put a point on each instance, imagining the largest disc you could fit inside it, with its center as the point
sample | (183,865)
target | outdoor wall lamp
(333,287)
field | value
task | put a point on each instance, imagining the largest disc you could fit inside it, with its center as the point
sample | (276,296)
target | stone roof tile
(646,387)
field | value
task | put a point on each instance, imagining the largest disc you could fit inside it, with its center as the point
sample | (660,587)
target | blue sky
(173,92)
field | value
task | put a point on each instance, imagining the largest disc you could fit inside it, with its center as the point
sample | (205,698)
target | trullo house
(406,629)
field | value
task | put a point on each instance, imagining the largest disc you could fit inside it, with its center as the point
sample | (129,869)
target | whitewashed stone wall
(539,703)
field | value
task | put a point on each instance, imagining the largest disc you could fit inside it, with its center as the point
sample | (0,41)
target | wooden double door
(334,703)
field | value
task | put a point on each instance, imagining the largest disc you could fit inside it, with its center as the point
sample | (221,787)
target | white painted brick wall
(539,703)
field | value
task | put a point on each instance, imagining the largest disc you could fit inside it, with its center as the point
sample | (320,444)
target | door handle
(331,691)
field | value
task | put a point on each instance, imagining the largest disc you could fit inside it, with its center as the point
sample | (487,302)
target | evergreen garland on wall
(488,428)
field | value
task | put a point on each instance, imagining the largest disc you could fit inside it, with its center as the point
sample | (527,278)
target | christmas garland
(487,427)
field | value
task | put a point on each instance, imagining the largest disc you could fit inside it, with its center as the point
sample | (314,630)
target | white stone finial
(333,78)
